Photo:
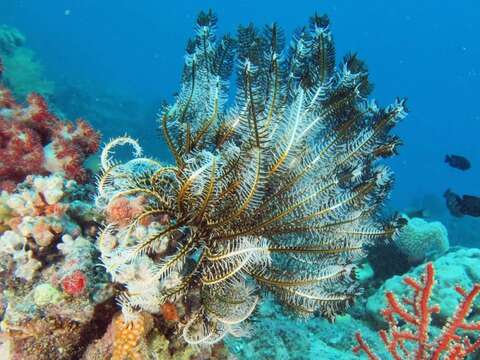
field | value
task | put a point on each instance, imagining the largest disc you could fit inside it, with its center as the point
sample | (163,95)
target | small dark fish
(458,162)
(465,205)
(453,203)
(471,205)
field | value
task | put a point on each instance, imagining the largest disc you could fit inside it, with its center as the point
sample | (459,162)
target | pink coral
(34,141)
(122,210)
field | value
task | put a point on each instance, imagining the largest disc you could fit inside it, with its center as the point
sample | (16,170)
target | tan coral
(129,337)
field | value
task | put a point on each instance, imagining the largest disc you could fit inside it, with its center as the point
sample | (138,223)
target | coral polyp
(276,189)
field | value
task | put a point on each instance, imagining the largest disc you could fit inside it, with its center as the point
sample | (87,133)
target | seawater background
(427,51)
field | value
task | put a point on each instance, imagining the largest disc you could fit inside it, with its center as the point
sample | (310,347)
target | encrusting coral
(280,191)
(409,333)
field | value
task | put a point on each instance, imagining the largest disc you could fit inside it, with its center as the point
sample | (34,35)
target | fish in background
(462,205)
(458,162)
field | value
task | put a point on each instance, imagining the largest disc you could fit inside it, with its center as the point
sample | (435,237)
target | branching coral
(34,141)
(279,191)
(452,343)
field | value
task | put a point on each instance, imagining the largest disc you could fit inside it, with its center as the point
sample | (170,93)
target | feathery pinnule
(277,188)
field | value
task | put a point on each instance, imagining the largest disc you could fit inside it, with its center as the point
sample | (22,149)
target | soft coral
(35,141)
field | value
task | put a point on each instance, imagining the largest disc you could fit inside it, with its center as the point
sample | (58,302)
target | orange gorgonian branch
(413,341)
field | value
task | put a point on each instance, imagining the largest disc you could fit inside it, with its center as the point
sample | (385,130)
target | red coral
(35,141)
(21,151)
(75,283)
(417,317)
(6,98)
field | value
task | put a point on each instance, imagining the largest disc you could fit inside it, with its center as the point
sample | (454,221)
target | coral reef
(25,74)
(409,335)
(35,217)
(279,192)
(130,337)
(420,239)
(52,287)
(34,141)
(139,340)
(56,300)
(462,231)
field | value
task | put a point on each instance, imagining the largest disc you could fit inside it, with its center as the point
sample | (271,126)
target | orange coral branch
(448,344)
(458,322)
(363,346)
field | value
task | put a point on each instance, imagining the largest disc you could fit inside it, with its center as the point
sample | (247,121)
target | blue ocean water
(426,51)
(127,57)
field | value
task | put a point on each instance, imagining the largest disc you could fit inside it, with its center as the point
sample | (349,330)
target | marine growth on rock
(278,188)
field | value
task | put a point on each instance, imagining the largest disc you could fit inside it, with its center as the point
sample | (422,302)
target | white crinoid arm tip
(106,159)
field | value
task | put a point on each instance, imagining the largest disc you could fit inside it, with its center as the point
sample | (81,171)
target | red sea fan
(35,141)
(414,340)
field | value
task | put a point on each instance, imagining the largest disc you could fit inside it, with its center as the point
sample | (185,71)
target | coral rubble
(280,191)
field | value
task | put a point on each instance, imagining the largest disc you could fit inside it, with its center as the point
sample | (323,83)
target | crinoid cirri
(276,189)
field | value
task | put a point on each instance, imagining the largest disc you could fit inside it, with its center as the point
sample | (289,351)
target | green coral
(45,294)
